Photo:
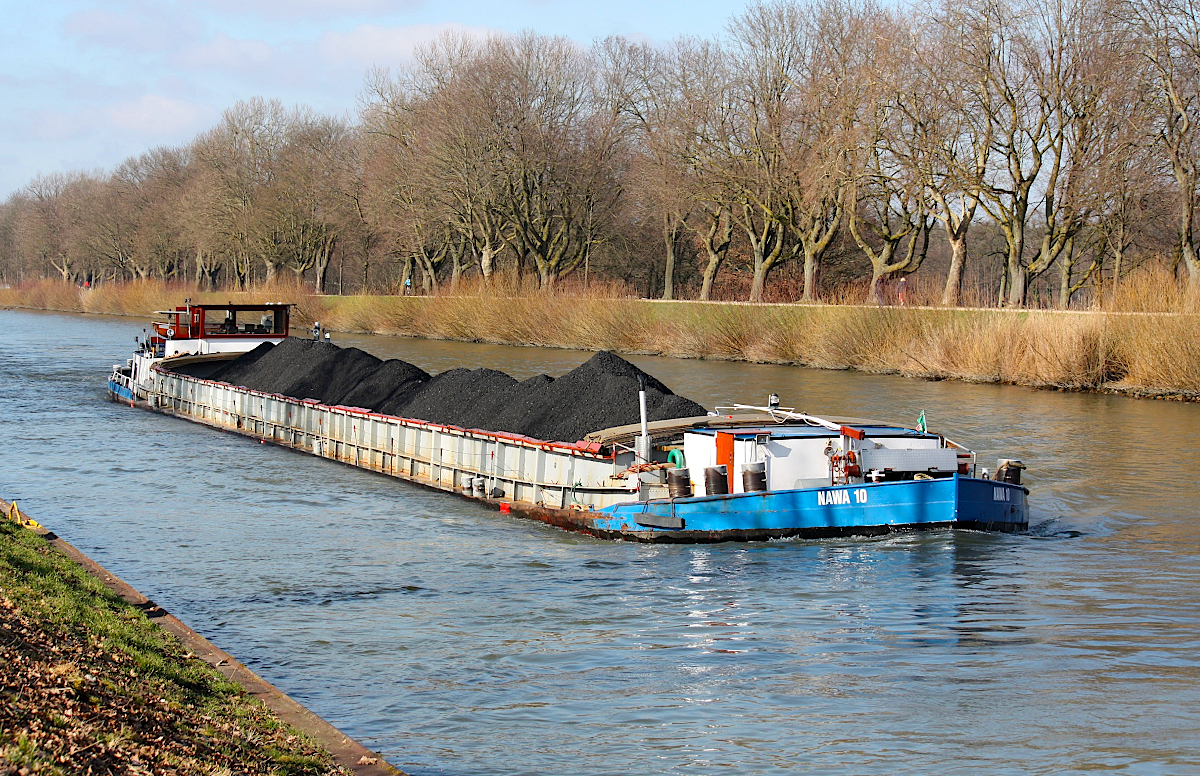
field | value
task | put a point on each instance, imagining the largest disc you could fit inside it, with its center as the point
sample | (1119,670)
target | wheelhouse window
(244,321)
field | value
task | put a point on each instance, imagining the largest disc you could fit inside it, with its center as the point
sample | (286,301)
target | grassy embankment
(88,684)
(1146,342)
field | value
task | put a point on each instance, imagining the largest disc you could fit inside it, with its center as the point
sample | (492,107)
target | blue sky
(83,85)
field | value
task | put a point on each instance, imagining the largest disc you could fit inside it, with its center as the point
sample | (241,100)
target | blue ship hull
(957,501)
(119,392)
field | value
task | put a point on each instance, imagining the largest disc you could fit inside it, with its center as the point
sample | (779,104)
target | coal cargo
(598,394)
(393,382)
(232,371)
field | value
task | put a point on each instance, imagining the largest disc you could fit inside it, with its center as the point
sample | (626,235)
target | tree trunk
(710,274)
(1018,284)
(366,268)
(879,270)
(717,240)
(760,276)
(322,261)
(272,271)
(63,267)
(810,275)
(487,261)
(1118,260)
(874,295)
(671,230)
(1064,281)
(428,275)
(764,261)
(1015,276)
(320,270)
(1192,264)
(669,272)
(405,275)
(958,260)
(1186,178)
(241,271)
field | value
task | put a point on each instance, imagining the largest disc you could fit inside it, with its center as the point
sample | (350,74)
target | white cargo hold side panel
(445,457)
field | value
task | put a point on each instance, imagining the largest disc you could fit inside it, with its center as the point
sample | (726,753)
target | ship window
(240,322)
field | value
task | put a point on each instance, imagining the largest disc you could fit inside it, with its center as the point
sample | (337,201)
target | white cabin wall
(699,452)
(181,347)
(797,463)
(745,451)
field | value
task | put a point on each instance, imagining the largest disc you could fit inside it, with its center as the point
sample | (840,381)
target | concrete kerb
(346,751)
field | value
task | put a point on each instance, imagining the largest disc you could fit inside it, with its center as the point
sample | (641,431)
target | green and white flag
(921,425)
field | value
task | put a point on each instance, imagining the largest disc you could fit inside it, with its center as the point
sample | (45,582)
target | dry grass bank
(1130,351)
(1138,353)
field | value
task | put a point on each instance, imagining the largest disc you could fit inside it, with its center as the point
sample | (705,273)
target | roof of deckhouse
(798,431)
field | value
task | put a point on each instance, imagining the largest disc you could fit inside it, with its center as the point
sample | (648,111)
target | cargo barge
(738,473)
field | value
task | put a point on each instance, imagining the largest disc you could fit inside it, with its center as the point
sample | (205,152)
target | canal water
(455,640)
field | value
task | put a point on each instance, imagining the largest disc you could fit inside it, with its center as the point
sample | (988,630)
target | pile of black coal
(599,394)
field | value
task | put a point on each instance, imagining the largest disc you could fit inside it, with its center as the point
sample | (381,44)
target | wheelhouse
(201,329)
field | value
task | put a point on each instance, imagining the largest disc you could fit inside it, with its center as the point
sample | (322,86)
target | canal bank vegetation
(1136,350)
(1134,353)
(986,152)
(89,685)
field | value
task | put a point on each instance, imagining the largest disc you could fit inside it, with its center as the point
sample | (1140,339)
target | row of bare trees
(1058,138)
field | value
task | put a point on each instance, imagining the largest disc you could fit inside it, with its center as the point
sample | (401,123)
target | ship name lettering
(830,497)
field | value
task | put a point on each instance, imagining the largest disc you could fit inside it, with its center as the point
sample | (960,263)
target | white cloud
(369,44)
(287,10)
(145,28)
(57,125)
(154,115)
(227,54)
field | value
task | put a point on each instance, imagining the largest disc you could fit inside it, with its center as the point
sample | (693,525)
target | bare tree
(796,73)
(532,154)
(51,229)
(561,155)
(459,133)
(766,46)
(241,154)
(14,267)
(651,86)
(834,79)
(1038,73)
(951,138)
(1168,36)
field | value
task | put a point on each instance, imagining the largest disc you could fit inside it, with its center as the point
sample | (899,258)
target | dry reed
(1132,351)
